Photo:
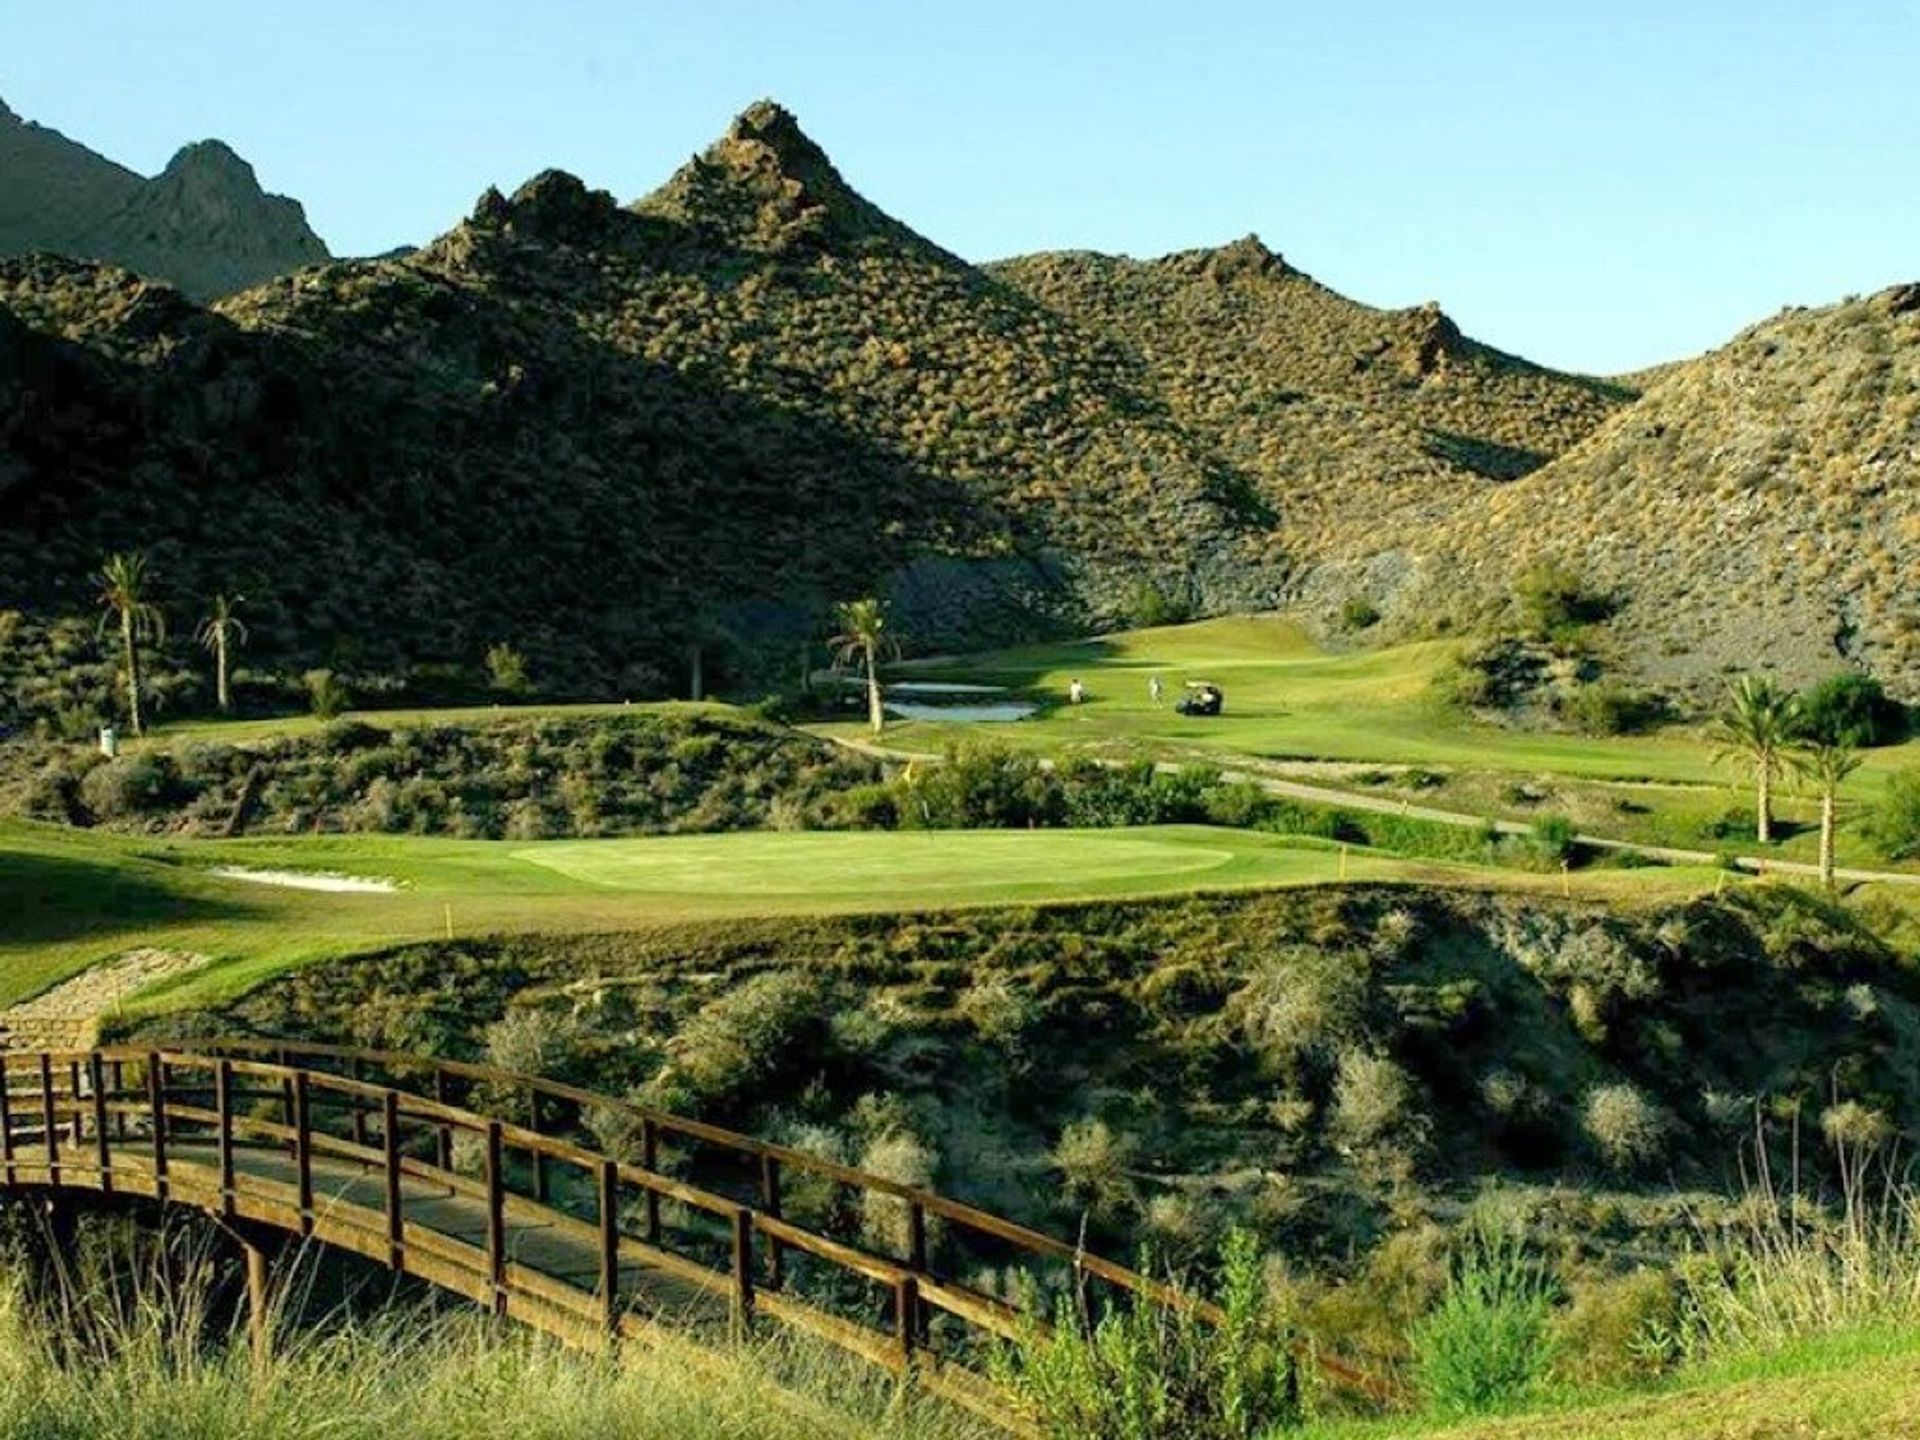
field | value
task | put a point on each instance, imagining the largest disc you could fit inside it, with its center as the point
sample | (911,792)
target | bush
(1895,823)
(507,670)
(1489,1342)
(1855,709)
(1625,1126)
(1372,1101)
(1300,1002)
(885,1222)
(1359,613)
(1554,838)
(734,1045)
(1153,605)
(327,693)
(1095,1166)
(531,1041)
(1604,707)
(1148,1372)
(1555,600)
(1617,1330)
(129,786)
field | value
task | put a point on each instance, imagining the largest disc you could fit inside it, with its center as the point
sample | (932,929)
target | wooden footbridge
(481,1182)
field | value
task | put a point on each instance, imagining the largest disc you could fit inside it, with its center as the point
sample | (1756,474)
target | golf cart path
(1381,805)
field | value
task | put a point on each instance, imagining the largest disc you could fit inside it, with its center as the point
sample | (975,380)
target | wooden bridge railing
(247,1137)
(769,1165)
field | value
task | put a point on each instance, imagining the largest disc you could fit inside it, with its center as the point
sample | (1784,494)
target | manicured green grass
(71,898)
(1837,1387)
(1286,698)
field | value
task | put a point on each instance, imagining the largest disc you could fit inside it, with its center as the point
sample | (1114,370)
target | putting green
(874,864)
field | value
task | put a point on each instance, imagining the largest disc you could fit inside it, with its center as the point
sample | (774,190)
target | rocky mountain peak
(1246,258)
(7,115)
(765,185)
(212,159)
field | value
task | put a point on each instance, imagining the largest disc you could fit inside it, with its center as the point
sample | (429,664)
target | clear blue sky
(1597,186)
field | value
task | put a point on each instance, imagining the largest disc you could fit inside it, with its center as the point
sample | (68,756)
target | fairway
(1287,698)
(957,865)
(69,899)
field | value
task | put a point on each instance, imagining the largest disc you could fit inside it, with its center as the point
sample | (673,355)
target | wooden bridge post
(49,1120)
(303,1148)
(390,1152)
(906,1318)
(770,1204)
(102,1139)
(742,1272)
(444,1145)
(6,1122)
(259,1304)
(223,1111)
(157,1118)
(539,1160)
(496,1217)
(610,1246)
(117,1078)
(355,1104)
(917,1261)
(73,1116)
(650,1162)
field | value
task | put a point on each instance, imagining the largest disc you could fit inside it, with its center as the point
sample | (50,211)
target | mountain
(203,224)
(1760,505)
(608,434)
(1341,414)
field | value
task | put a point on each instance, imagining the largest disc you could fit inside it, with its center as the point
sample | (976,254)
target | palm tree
(221,632)
(1757,729)
(123,596)
(864,639)
(1825,763)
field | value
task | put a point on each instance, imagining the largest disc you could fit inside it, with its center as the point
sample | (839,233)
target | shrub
(1553,838)
(1147,1372)
(1853,708)
(1605,707)
(1625,1126)
(1555,600)
(507,670)
(733,1045)
(1299,1002)
(1489,1342)
(128,786)
(1372,1100)
(980,786)
(1895,823)
(1095,1165)
(885,1222)
(533,1041)
(1617,1330)
(327,693)
(1359,613)
(1154,605)
(999,1010)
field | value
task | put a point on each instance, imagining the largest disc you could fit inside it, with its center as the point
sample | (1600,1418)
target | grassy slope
(1840,1386)
(74,898)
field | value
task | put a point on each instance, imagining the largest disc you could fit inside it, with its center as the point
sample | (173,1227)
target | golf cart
(1200,697)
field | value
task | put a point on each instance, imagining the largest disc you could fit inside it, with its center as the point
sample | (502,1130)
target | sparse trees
(864,639)
(124,586)
(1825,763)
(221,632)
(1757,729)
